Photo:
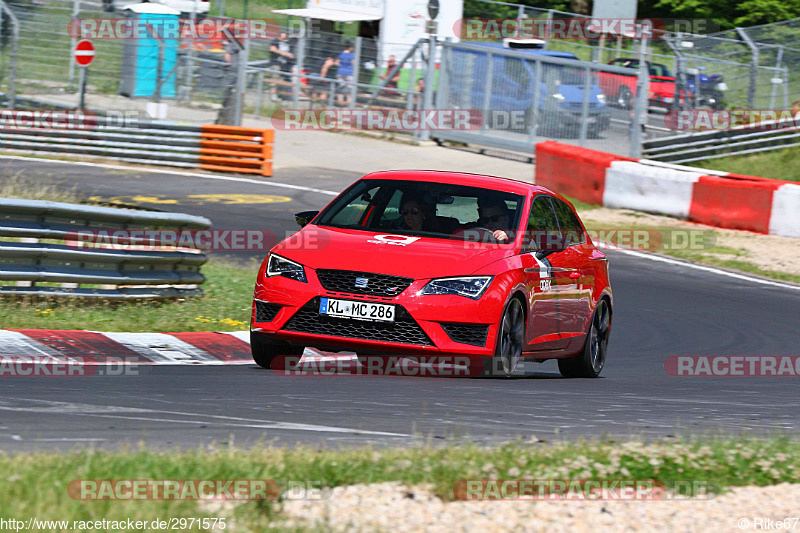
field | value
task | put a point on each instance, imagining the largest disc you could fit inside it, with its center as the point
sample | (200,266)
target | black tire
(624,98)
(265,351)
(510,341)
(590,362)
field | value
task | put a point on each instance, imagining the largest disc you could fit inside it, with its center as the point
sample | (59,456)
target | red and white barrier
(186,348)
(705,196)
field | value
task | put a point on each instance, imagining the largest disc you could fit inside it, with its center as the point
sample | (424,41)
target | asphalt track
(662,309)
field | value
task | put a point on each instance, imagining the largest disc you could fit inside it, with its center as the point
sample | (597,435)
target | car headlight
(601,98)
(280,266)
(558,96)
(469,287)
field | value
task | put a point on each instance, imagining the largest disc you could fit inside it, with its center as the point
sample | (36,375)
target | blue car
(513,87)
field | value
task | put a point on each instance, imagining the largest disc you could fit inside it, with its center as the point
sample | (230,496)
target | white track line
(704,268)
(177,172)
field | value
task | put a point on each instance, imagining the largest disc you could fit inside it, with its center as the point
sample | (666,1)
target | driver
(493,215)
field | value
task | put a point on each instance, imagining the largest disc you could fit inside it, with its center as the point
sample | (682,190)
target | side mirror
(304,217)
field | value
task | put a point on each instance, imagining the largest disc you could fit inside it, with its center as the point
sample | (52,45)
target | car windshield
(437,210)
(657,69)
(564,75)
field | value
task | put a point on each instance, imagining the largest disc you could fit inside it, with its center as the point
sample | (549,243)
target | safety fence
(211,146)
(761,137)
(43,253)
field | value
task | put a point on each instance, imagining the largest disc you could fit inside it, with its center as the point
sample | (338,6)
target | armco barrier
(163,272)
(211,147)
(705,196)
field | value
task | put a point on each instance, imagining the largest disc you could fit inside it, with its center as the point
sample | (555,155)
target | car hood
(367,251)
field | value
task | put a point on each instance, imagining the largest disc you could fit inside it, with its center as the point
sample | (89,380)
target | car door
(578,278)
(545,279)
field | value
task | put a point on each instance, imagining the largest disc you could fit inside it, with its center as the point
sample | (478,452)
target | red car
(438,263)
(622,89)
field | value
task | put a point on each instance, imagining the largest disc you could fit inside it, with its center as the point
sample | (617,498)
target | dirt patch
(396,508)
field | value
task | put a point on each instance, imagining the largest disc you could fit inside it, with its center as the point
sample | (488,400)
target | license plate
(357,310)
(668,99)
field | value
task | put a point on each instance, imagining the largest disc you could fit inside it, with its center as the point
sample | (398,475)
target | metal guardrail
(165,272)
(212,147)
(762,137)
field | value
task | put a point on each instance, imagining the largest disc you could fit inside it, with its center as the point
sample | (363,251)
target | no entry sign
(83,53)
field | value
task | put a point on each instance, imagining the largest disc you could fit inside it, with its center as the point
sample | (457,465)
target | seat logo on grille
(361,283)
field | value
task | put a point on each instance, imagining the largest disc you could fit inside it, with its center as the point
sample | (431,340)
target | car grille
(266,312)
(404,329)
(474,334)
(376,284)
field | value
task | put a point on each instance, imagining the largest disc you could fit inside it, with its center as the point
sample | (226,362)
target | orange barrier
(734,201)
(236,149)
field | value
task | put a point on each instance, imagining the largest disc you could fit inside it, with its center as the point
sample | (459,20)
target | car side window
(353,213)
(568,222)
(541,222)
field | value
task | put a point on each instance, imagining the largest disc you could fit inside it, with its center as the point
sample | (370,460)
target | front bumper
(571,118)
(288,310)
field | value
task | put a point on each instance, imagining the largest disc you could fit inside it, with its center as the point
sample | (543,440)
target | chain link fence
(582,91)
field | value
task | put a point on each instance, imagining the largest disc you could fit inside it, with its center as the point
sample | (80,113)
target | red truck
(622,89)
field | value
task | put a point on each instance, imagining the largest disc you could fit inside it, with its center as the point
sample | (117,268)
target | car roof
(537,51)
(461,178)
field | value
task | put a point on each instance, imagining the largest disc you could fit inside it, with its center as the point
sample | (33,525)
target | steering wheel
(481,234)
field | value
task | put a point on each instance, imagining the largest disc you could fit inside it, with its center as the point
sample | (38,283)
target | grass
(775,164)
(18,186)
(34,484)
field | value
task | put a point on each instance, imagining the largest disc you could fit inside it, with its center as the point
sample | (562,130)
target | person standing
(345,75)
(281,58)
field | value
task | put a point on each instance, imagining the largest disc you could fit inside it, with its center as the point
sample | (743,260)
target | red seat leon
(438,263)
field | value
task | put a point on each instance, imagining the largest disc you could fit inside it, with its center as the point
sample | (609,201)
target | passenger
(416,216)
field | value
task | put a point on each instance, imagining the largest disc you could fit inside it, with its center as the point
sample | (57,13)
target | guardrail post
(241,81)
(587,91)
(76,9)
(356,73)
(300,57)
(751,93)
(641,103)
(429,83)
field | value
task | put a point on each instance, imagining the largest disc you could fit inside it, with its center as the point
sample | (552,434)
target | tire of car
(510,340)
(624,98)
(590,362)
(265,351)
